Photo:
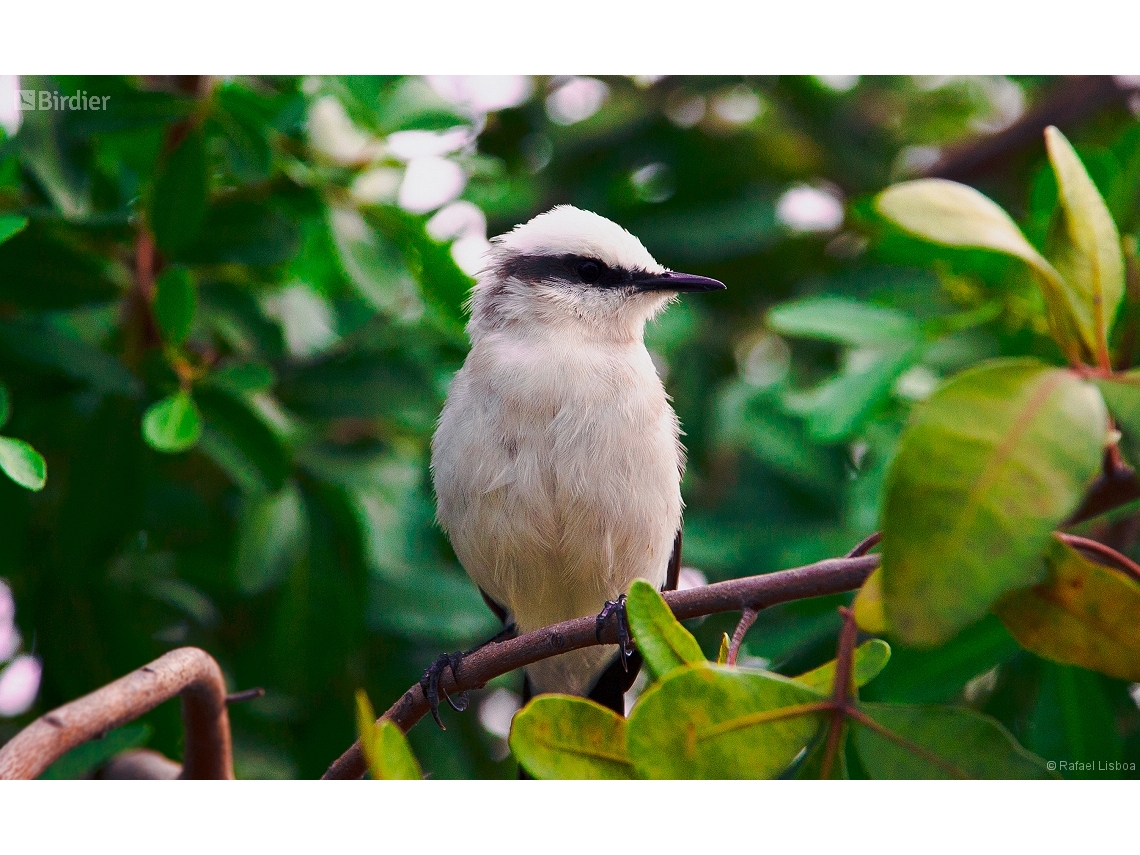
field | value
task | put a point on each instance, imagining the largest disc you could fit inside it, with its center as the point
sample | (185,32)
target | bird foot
(430,685)
(610,608)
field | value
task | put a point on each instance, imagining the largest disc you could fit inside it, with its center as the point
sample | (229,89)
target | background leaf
(22,463)
(10,225)
(172,424)
(175,300)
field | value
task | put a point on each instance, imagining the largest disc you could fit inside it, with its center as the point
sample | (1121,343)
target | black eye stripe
(565,268)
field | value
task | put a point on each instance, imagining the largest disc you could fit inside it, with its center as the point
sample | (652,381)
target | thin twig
(247,695)
(833,576)
(842,690)
(866,545)
(746,620)
(188,671)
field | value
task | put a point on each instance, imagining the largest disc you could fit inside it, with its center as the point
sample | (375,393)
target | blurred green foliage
(228,327)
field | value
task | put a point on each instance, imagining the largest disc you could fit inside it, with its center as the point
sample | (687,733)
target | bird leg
(430,680)
(616,607)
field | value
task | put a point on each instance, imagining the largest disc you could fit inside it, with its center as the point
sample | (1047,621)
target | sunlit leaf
(711,721)
(844,320)
(941,742)
(386,749)
(22,463)
(558,736)
(178,207)
(1095,267)
(172,424)
(662,640)
(954,214)
(871,657)
(10,225)
(986,469)
(1082,614)
(175,300)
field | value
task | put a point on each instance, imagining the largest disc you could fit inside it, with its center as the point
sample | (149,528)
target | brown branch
(842,689)
(833,576)
(1072,101)
(1117,486)
(188,671)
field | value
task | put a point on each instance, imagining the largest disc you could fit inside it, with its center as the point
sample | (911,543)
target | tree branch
(833,576)
(188,671)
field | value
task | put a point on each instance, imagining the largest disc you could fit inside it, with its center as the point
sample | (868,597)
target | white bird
(557,461)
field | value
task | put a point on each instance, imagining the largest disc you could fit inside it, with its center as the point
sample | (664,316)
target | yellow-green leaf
(1094,262)
(559,737)
(712,721)
(663,642)
(386,749)
(722,654)
(1082,614)
(954,214)
(986,469)
(871,657)
(868,605)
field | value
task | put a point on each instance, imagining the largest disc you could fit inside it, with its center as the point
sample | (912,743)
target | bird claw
(616,607)
(431,689)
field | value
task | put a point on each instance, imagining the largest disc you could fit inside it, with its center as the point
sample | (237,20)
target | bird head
(574,269)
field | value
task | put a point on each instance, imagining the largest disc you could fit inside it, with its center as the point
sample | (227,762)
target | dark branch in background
(188,671)
(833,576)
(1073,100)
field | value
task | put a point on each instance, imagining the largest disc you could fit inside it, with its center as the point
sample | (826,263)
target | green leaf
(811,767)
(5,405)
(839,407)
(1073,722)
(1095,265)
(175,300)
(1122,394)
(662,640)
(711,721)
(985,470)
(241,378)
(83,760)
(22,463)
(1082,614)
(843,320)
(172,424)
(939,675)
(236,438)
(558,736)
(272,539)
(10,225)
(941,742)
(871,657)
(385,746)
(953,214)
(181,189)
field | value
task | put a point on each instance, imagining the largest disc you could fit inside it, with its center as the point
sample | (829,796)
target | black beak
(678,282)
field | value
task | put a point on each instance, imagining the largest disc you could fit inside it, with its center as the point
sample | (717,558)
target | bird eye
(590,271)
